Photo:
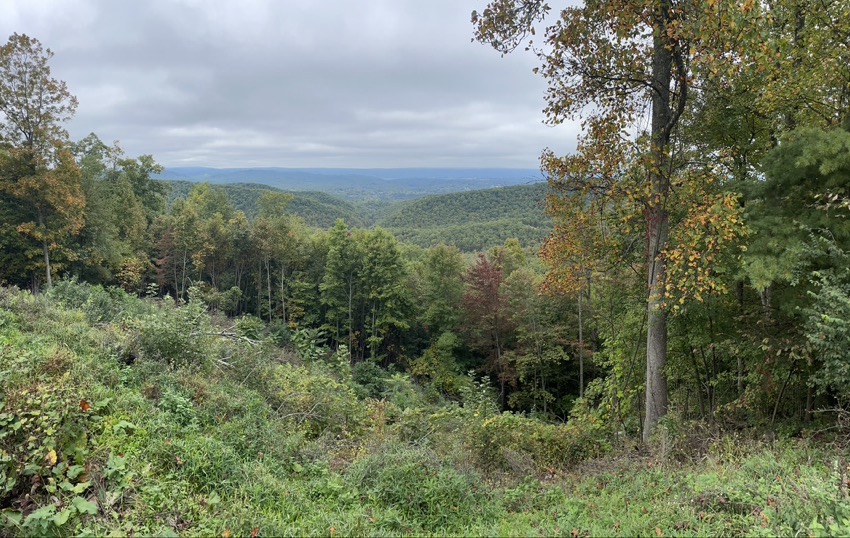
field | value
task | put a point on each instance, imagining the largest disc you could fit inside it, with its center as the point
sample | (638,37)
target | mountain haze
(373,184)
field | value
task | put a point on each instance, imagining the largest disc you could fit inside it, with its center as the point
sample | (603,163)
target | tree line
(696,264)
(83,209)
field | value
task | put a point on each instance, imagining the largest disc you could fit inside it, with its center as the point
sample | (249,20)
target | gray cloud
(368,83)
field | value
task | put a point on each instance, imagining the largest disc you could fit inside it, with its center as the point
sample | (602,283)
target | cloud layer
(301,83)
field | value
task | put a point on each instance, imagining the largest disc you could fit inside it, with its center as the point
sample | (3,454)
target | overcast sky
(295,83)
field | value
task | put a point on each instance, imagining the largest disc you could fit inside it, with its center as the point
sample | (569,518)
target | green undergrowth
(126,416)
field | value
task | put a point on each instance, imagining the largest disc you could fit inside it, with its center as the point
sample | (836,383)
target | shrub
(439,366)
(99,304)
(516,443)
(222,300)
(370,378)
(280,332)
(827,326)
(413,481)
(314,401)
(250,327)
(309,344)
(177,336)
(44,447)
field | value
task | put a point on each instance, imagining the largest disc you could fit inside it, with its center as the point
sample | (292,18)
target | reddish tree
(488,324)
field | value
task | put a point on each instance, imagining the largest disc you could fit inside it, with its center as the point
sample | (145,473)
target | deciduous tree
(627,67)
(37,170)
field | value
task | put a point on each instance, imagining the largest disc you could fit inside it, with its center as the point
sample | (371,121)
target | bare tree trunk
(372,345)
(176,278)
(47,264)
(260,289)
(351,314)
(767,302)
(656,348)
(282,292)
(499,367)
(580,347)
(663,121)
(269,286)
(241,302)
(46,250)
(183,274)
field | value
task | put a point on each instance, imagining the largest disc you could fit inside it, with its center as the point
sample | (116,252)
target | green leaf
(83,506)
(74,471)
(81,487)
(115,464)
(10,518)
(45,512)
(62,517)
(124,427)
(213,499)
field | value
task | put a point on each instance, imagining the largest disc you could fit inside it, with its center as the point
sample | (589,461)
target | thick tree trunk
(656,340)
(657,221)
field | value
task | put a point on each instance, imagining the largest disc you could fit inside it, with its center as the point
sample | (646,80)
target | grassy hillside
(318,209)
(473,220)
(132,417)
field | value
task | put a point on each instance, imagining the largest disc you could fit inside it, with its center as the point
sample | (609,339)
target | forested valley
(656,341)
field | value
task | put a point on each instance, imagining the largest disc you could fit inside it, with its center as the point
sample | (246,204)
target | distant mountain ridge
(368,184)
(473,208)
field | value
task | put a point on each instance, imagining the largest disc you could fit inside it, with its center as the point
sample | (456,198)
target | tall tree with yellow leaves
(627,68)
(37,171)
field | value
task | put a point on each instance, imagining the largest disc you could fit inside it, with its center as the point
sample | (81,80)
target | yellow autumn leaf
(50,458)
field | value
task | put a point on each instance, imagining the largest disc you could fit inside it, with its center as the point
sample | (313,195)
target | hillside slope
(473,220)
(318,209)
(122,416)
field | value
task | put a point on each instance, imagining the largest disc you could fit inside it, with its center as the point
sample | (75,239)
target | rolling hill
(381,184)
(318,209)
(473,220)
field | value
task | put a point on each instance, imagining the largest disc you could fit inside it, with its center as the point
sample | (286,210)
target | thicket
(103,435)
